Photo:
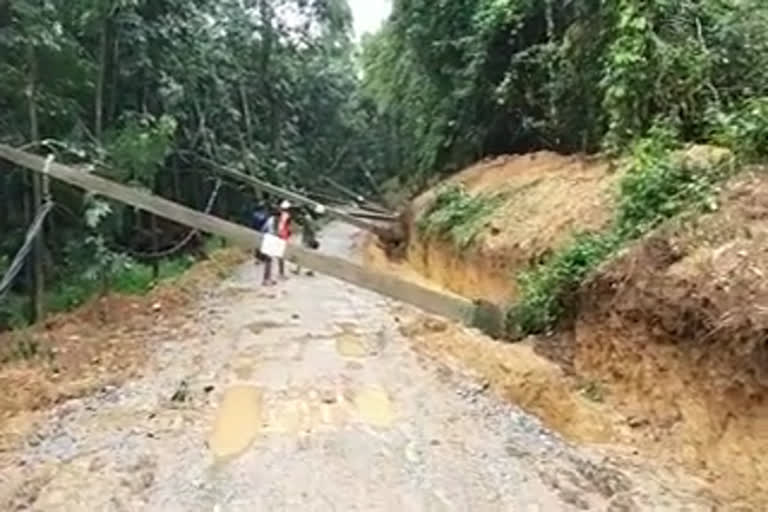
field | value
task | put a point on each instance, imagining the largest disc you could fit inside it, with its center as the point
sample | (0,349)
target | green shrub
(128,277)
(138,278)
(660,184)
(658,187)
(13,312)
(545,288)
(457,216)
(745,129)
(71,293)
(132,279)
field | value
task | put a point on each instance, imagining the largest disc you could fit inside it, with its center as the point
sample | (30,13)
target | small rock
(157,307)
(181,393)
(328,396)
(147,479)
(97,464)
(208,389)
(637,422)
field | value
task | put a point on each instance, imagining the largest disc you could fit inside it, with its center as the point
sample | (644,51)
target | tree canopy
(461,79)
(153,91)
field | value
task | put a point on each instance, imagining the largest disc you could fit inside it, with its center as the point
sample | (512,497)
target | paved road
(306,397)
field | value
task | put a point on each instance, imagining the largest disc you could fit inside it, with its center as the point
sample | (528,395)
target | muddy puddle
(374,407)
(350,346)
(238,421)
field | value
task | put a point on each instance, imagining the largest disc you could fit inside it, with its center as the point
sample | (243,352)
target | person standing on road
(269,227)
(309,233)
(259,217)
(284,231)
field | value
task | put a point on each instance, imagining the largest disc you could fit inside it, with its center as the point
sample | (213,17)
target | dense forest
(155,93)
(458,80)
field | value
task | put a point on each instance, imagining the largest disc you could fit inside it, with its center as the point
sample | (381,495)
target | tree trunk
(246,116)
(98,107)
(38,253)
(113,94)
(155,246)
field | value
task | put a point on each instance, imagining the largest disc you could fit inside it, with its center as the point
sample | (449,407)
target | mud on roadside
(101,344)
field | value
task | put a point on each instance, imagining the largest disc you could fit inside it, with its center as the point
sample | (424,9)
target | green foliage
(139,148)
(13,314)
(457,215)
(745,129)
(151,90)
(137,279)
(659,184)
(544,290)
(129,277)
(481,77)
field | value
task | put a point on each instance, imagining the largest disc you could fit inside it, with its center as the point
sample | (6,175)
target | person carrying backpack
(259,218)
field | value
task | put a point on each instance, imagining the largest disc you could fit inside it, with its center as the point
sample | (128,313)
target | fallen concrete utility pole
(484,316)
(355,196)
(367,214)
(297,199)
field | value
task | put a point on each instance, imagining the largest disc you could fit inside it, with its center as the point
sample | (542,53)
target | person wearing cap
(284,231)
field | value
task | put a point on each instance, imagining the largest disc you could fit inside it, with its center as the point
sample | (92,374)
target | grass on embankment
(80,283)
(458,216)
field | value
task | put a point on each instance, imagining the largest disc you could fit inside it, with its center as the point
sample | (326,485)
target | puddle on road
(350,345)
(237,422)
(305,411)
(375,407)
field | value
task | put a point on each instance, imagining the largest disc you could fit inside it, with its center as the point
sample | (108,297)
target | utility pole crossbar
(484,316)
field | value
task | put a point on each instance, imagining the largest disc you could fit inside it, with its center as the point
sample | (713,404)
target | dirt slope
(547,197)
(669,338)
(677,326)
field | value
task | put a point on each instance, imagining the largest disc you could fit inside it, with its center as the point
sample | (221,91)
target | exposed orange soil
(101,343)
(548,197)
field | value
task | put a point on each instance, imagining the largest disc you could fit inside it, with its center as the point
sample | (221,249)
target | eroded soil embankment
(545,199)
(667,352)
